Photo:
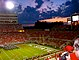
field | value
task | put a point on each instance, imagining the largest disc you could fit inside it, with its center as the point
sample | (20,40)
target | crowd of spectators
(69,35)
(55,38)
(10,27)
(12,37)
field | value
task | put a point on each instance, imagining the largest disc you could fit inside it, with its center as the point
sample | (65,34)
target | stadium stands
(11,37)
(10,27)
(69,35)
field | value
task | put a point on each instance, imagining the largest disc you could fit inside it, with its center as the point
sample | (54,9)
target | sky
(29,11)
(46,3)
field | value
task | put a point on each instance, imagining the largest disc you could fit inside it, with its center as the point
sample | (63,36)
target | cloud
(69,8)
(26,3)
(47,5)
(39,2)
(29,15)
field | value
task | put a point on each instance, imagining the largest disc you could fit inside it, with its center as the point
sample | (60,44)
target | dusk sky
(32,3)
(29,11)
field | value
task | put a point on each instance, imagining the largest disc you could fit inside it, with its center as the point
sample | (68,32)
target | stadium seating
(69,35)
(11,37)
(10,27)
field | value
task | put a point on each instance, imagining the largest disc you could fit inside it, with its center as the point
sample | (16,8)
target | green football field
(25,51)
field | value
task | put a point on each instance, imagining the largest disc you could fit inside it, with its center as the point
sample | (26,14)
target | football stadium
(43,41)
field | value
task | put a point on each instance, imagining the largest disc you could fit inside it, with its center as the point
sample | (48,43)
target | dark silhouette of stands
(56,26)
(45,25)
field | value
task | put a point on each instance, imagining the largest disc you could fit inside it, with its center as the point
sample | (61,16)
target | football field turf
(25,51)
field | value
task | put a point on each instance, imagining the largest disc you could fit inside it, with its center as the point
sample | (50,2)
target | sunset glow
(57,19)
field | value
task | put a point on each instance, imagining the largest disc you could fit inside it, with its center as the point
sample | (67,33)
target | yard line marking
(30,52)
(14,54)
(23,57)
(18,54)
(25,50)
(6,55)
(21,50)
(1,58)
(11,52)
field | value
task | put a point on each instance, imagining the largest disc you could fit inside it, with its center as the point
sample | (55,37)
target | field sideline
(25,51)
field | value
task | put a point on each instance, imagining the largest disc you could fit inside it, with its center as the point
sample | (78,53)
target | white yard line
(11,52)
(25,50)
(6,55)
(1,58)
(20,53)
(24,57)
(14,55)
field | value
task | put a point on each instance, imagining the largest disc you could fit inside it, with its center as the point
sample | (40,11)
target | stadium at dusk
(39,30)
